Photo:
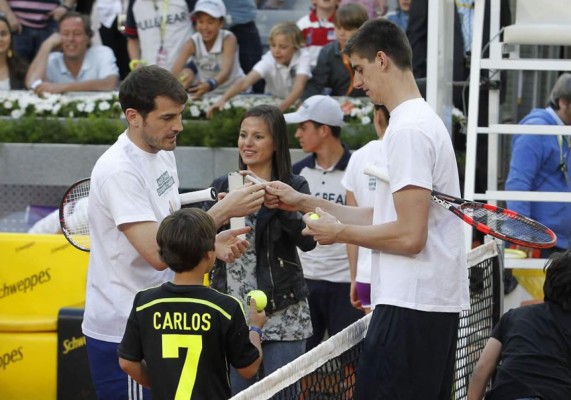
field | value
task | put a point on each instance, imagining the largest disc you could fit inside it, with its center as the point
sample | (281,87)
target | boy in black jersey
(181,336)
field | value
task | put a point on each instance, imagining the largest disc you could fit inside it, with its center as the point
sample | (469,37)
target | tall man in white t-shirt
(134,186)
(419,277)
(326,268)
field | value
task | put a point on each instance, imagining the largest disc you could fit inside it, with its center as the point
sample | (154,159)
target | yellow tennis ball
(260,298)
(314,216)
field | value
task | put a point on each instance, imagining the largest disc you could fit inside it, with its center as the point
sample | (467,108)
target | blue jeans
(276,355)
(109,380)
(28,41)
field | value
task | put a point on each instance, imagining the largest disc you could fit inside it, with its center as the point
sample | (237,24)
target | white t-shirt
(145,21)
(209,63)
(99,62)
(279,78)
(326,262)
(363,188)
(419,152)
(127,185)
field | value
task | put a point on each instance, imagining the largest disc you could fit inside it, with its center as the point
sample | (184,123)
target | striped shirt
(33,14)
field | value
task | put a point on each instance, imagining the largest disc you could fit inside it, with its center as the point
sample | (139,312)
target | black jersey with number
(187,335)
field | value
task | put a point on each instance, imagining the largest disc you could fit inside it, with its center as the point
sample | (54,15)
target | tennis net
(328,371)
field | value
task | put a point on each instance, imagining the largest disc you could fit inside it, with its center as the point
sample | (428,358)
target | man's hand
(323,229)
(244,201)
(58,12)
(281,195)
(354,297)
(14,22)
(228,246)
(49,87)
(255,317)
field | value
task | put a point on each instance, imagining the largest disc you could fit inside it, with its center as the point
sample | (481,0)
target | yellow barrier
(39,275)
(531,280)
(28,365)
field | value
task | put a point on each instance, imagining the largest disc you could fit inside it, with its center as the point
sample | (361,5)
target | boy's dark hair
(143,85)
(381,35)
(184,238)
(557,285)
(83,17)
(335,130)
(274,119)
(350,16)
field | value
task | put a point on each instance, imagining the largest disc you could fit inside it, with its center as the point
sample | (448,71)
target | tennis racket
(73,211)
(491,220)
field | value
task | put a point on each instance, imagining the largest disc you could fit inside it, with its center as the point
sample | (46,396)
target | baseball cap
(322,109)
(214,8)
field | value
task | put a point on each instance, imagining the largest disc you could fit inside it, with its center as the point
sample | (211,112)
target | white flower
(365,120)
(104,106)
(8,104)
(194,111)
(17,113)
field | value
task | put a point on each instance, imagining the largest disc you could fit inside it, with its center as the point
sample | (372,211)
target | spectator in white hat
(214,51)
(326,268)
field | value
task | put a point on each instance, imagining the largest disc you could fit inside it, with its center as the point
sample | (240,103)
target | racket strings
(508,225)
(74,219)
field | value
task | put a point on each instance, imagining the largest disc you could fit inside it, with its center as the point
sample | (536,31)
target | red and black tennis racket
(491,220)
(73,211)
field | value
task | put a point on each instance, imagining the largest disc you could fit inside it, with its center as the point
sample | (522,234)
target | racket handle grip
(208,194)
(373,170)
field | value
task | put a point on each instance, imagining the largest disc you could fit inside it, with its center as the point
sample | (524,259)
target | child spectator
(333,74)
(285,68)
(207,325)
(317,27)
(400,15)
(215,52)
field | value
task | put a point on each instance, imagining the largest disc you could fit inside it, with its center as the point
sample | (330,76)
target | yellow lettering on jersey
(182,321)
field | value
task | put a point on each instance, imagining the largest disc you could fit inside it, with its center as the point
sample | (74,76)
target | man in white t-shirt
(67,63)
(134,186)
(326,268)
(419,277)
(361,192)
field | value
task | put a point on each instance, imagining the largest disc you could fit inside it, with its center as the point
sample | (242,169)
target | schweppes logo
(69,345)
(11,357)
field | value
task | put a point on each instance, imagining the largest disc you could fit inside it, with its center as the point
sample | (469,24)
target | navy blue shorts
(407,355)
(109,380)
(330,308)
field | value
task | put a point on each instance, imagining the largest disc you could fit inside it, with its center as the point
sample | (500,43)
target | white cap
(214,8)
(322,109)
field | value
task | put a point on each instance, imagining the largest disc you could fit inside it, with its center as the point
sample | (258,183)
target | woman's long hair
(17,67)
(274,119)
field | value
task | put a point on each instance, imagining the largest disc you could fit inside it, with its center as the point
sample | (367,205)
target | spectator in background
(242,23)
(333,73)
(32,22)
(214,51)
(77,67)
(360,192)
(400,15)
(529,352)
(374,8)
(285,68)
(317,27)
(157,30)
(326,269)
(271,263)
(109,13)
(540,163)
(12,67)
